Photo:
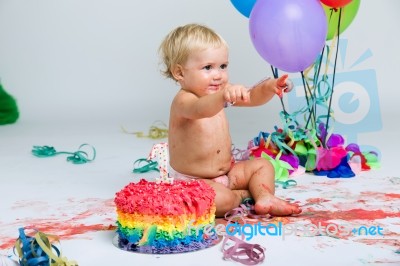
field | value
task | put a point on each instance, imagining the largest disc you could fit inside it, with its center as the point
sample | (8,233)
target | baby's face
(206,71)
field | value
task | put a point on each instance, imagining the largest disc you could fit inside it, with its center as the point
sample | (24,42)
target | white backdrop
(96,60)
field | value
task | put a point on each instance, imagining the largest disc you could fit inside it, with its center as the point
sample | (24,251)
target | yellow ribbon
(47,247)
(155,132)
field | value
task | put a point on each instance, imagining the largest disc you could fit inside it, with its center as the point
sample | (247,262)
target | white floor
(75,202)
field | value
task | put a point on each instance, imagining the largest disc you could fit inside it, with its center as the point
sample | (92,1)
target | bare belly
(209,166)
(200,147)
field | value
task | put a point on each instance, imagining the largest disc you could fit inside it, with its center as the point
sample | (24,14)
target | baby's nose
(217,73)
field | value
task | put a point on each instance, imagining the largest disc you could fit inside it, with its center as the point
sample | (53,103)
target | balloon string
(313,90)
(333,77)
(320,100)
(274,71)
(324,81)
(306,95)
(316,75)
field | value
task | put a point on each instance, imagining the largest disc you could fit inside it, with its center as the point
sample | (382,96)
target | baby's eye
(224,66)
(207,67)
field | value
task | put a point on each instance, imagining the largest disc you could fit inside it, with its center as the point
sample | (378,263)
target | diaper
(223,179)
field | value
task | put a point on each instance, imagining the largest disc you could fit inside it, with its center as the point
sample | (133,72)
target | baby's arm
(264,90)
(194,107)
(191,106)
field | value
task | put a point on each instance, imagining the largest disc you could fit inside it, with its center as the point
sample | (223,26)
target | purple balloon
(288,34)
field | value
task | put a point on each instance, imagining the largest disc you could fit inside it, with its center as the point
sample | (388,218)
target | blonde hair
(184,40)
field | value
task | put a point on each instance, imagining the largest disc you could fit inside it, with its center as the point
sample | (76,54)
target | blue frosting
(163,243)
(166,247)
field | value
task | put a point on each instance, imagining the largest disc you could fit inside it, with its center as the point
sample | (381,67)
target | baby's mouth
(214,87)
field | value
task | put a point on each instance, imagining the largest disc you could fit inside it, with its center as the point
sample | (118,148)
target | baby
(199,140)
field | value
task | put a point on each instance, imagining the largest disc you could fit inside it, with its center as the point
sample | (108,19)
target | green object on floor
(8,108)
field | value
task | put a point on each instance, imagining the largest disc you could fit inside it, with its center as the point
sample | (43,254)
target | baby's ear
(177,72)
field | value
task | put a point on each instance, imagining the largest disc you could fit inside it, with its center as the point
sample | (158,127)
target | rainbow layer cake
(165,218)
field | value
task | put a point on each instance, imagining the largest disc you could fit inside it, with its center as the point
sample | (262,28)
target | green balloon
(349,11)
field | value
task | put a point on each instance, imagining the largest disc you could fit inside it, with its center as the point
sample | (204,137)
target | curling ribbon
(155,132)
(239,154)
(38,251)
(243,212)
(245,253)
(150,166)
(286,184)
(78,157)
(159,152)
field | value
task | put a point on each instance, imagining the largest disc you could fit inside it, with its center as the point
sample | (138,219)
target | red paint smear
(392,195)
(69,227)
(389,242)
(317,217)
(63,231)
(330,182)
(66,231)
(316,201)
(323,217)
(353,214)
(380,195)
(8,243)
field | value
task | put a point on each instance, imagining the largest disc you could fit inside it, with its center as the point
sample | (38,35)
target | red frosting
(181,197)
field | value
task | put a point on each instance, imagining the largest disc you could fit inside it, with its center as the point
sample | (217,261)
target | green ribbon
(78,157)
(286,184)
(150,166)
(281,167)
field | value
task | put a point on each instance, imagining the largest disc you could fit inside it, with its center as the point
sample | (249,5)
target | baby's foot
(274,206)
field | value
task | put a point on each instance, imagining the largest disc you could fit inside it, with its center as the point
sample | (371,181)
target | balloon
(288,34)
(336,3)
(332,16)
(244,6)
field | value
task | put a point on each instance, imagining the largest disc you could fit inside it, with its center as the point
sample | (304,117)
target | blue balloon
(244,6)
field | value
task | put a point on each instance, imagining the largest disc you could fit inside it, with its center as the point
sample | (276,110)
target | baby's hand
(283,84)
(236,93)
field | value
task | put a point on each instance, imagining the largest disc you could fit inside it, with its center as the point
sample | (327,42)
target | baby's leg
(258,177)
(225,198)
